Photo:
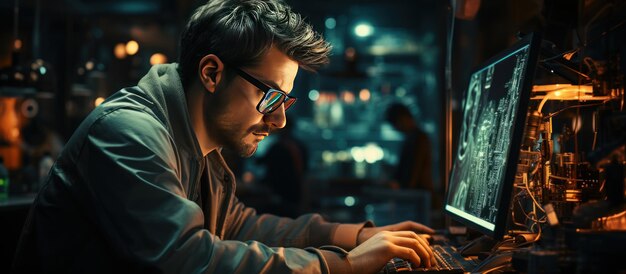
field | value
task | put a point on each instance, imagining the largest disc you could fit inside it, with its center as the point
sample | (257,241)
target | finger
(420,228)
(423,251)
(414,241)
(406,225)
(424,242)
(410,234)
(427,237)
(433,259)
(404,233)
(409,254)
(416,245)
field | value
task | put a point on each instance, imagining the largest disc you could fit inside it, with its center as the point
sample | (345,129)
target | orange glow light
(17,44)
(158,58)
(348,97)
(120,51)
(98,101)
(132,47)
(364,95)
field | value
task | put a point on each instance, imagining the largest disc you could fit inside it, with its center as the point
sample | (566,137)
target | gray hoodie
(132,192)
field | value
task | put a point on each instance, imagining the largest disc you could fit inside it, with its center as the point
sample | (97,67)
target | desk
(17,201)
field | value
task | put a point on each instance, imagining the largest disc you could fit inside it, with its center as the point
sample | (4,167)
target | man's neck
(195,99)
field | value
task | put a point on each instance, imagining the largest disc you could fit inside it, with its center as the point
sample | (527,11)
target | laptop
(484,165)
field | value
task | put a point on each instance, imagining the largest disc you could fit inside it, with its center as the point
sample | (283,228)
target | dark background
(404,59)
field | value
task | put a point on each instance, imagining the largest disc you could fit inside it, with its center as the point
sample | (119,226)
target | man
(414,167)
(141,185)
(414,170)
(286,164)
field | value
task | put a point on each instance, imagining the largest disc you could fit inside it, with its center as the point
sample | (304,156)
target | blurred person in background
(141,186)
(414,169)
(286,164)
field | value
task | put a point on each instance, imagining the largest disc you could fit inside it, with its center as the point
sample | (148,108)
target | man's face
(231,116)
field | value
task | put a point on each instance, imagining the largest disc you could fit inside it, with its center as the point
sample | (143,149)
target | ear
(210,70)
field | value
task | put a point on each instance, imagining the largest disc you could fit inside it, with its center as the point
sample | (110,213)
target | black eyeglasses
(272,97)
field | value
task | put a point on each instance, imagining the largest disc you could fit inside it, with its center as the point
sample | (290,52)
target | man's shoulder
(126,117)
(118,116)
(126,107)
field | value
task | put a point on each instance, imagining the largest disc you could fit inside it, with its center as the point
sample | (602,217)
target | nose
(277,118)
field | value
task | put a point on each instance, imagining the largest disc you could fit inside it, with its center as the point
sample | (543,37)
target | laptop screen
(494,112)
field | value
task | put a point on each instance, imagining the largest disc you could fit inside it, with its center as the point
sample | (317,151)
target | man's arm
(375,247)
(137,201)
(306,230)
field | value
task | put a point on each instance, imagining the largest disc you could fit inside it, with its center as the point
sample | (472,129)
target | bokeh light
(132,47)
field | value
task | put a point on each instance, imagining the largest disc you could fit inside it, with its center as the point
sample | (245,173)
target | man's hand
(368,232)
(373,254)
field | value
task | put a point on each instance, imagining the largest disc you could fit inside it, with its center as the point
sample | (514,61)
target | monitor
(485,163)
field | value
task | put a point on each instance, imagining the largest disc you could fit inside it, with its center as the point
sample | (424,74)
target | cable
(537,222)
(595,137)
(494,249)
(593,19)
(566,179)
(564,90)
(576,106)
(532,241)
(495,268)
(543,101)
(590,64)
(516,199)
(518,223)
(534,219)
(535,170)
(525,179)
(568,52)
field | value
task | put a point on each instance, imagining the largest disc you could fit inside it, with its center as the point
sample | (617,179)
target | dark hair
(240,32)
(395,111)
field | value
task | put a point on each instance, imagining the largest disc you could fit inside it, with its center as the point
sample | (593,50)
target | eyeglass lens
(272,100)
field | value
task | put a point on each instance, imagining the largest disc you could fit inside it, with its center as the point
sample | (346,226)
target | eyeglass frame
(266,90)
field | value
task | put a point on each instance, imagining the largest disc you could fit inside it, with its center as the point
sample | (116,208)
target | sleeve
(304,231)
(139,204)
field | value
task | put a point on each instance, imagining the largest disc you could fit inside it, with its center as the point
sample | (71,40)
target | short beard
(229,138)
(226,135)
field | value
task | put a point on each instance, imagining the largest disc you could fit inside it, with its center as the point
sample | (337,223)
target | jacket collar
(163,84)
